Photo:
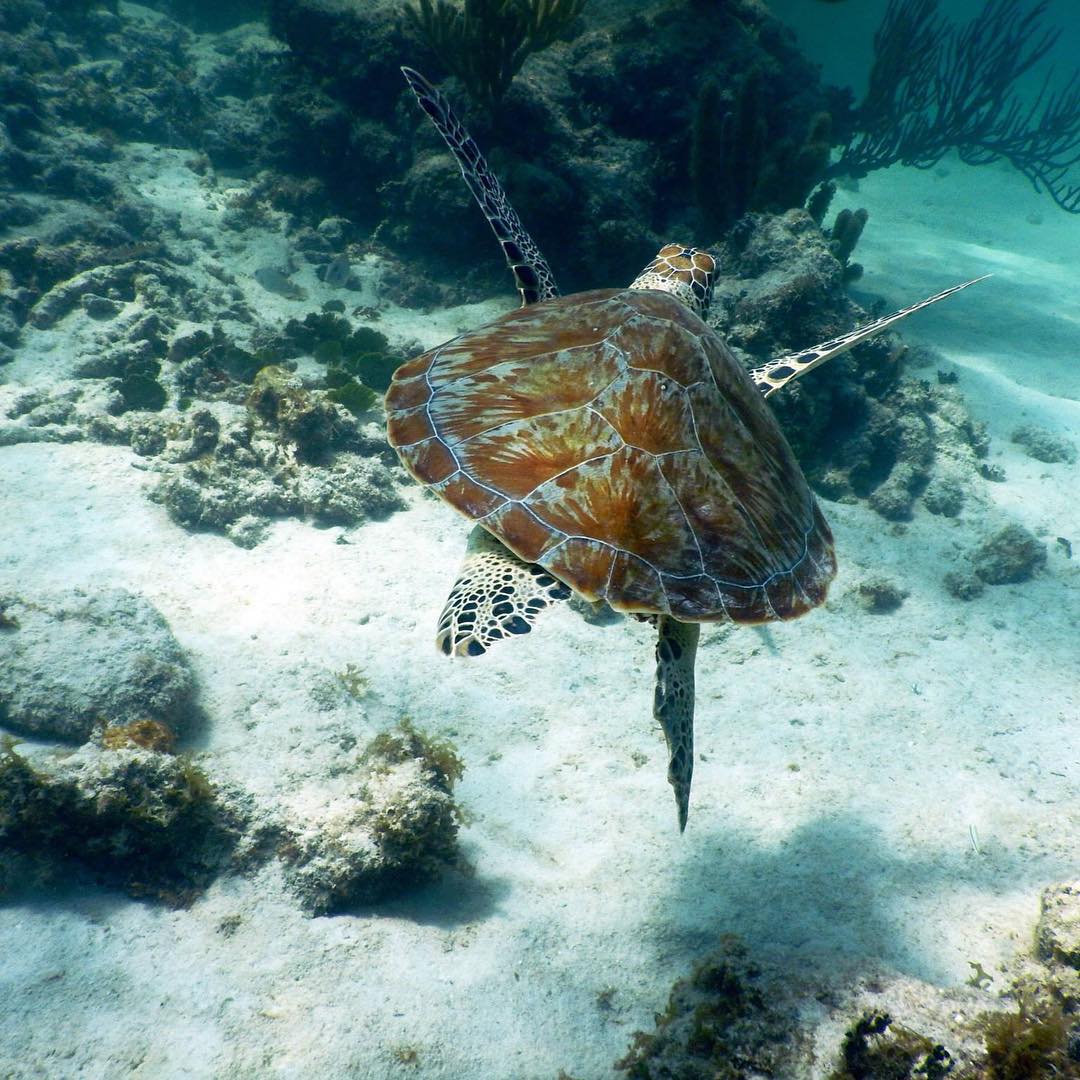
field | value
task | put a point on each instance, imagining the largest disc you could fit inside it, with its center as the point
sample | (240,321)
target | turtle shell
(612,438)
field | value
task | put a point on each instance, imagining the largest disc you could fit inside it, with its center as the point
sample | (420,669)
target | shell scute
(521,336)
(621,500)
(405,428)
(521,455)
(433,458)
(651,342)
(649,411)
(468,496)
(511,390)
(408,393)
(584,564)
(692,599)
(635,584)
(520,530)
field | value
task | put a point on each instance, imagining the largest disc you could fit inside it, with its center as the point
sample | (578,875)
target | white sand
(847,760)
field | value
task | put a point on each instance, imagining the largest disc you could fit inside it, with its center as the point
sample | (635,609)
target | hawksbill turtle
(608,443)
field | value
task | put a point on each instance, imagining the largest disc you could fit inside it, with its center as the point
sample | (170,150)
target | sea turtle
(609,443)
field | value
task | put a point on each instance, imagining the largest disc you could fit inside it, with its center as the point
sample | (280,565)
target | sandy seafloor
(937,787)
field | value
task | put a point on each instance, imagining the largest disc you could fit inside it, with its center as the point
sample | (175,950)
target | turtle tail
(532,275)
(673,703)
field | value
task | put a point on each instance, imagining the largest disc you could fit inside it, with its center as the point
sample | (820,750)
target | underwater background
(253,824)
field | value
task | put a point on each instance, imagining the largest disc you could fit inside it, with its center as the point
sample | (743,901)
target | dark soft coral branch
(936,87)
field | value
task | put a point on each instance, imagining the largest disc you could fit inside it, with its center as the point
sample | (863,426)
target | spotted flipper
(496,595)
(673,703)
(776,373)
(532,275)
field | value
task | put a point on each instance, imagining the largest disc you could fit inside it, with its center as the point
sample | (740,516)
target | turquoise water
(252,822)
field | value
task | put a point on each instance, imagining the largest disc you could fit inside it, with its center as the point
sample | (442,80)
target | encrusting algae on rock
(391,825)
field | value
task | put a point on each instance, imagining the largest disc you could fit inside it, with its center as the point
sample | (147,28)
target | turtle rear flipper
(673,703)
(496,595)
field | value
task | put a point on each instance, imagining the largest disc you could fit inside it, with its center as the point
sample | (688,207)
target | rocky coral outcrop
(130,812)
(1011,554)
(739,1019)
(860,427)
(148,822)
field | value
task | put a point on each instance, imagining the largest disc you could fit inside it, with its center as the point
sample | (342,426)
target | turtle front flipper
(778,373)
(532,275)
(496,595)
(673,704)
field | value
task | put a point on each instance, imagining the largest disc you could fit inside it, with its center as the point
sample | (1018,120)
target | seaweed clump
(1034,1041)
(718,1025)
(874,1048)
(360,352)
(147,734)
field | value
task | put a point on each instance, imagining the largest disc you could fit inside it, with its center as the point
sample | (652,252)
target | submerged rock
(395,826)
(1058,938)
(963,584)
(1009,556)
(1042,444)
(879,595)
(146,821)
(72,661)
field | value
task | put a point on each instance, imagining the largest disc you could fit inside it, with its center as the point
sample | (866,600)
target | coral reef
(735,163)
(294,453)
(585,140)
(73,661)
(936,86)
(391,826)
(485,42)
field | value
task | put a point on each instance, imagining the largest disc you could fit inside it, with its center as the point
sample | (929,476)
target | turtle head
(686,272)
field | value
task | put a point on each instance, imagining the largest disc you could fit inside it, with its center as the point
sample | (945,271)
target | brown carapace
(611,438)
